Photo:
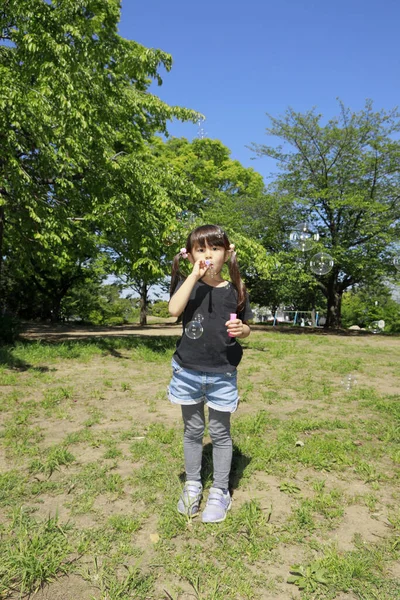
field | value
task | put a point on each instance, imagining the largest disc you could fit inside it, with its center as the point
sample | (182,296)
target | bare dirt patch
(72,587)
(116,399)
(357,520)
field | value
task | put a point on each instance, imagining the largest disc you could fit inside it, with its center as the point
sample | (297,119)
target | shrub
(160,309)
(9,329)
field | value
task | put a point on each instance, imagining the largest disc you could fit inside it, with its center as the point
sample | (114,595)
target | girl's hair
(211,235)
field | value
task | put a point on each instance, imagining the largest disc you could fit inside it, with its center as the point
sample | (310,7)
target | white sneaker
(217,506)
(190,499)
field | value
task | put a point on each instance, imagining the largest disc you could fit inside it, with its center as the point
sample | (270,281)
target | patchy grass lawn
(91,467)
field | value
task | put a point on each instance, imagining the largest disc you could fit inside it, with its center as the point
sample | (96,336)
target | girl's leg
(220,431)
(194,423)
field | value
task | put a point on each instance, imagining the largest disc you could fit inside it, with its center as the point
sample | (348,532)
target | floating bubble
(303,238)
(199,318)
(194,330)
(171,239)
(376,326)
(348,382)
(321,263)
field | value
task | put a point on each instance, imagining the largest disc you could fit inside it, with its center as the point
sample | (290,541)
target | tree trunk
(334,308)
(313,318)
(56,291)
(56,307)
(2,217)
(143,303)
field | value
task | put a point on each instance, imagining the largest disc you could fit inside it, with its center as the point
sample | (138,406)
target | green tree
(159,308)
(343,177)
(224,187)
(143,216)
(363,305)
(37,276)
(267,218)
(207,163)
(74,101)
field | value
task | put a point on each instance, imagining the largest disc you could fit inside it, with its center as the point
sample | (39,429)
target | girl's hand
(234,327)
(200,268)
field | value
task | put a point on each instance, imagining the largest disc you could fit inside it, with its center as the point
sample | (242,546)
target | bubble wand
(232,317)
(209,264)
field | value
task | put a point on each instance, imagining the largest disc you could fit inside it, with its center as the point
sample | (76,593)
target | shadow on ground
(71,348)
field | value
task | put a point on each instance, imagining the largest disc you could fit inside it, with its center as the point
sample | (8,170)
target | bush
(159,309)
(115,321)
(100,305)
(9,329)
(364,306)
(393,327)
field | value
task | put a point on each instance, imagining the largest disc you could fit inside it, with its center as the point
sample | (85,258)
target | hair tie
(183,252)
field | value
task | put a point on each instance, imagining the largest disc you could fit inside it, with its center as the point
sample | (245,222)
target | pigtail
(175,274)
(237,282)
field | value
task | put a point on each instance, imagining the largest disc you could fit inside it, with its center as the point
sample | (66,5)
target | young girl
(204,368)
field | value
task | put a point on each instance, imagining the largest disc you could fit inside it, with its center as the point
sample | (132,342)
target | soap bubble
(303,238)
(199,318)
(376,326)
(348,382)
(194,330)
(321,263)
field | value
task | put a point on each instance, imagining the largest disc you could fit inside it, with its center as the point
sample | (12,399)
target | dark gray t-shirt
(214,351)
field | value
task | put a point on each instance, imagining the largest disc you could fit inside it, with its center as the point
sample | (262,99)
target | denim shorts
(217,390)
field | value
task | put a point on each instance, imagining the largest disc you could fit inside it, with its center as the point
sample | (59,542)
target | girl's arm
(179,300)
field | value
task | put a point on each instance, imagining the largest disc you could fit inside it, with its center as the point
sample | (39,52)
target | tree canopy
(76,116)
(89,185)
(344,178)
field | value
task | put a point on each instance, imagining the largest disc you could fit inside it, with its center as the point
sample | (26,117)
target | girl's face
(216,255)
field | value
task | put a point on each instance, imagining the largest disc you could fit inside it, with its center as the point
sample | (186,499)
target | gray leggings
(220,433)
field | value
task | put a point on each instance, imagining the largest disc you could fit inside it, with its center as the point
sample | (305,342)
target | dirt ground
(357,520)
(156,326)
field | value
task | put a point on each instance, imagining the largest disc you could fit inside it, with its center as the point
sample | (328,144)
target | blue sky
(236,61)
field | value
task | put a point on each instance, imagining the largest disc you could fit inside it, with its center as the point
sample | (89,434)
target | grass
(32,554)
(91,467)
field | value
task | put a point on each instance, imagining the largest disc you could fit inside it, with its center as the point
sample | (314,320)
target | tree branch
(375,177)
(323,288)
(347,282)
(316,145)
